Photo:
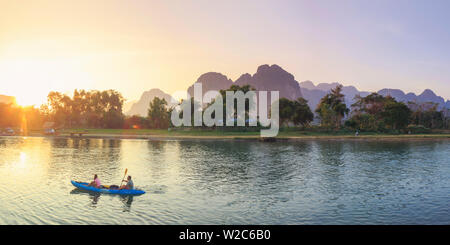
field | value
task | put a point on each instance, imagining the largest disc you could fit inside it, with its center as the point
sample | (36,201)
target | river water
(226,182)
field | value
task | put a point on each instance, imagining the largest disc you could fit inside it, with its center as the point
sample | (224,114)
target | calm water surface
(226,182)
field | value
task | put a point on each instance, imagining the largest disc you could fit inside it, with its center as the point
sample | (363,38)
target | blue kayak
(85,186)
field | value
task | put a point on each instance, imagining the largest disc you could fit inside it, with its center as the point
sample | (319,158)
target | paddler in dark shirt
(129,185)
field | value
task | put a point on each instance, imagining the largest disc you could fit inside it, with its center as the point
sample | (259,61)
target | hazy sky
(133,46)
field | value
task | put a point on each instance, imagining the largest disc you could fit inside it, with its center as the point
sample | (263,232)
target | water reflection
(225,182)
(156,146)
(127,201)
(94,198)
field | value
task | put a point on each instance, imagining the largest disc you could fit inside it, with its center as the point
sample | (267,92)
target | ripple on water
(225,182)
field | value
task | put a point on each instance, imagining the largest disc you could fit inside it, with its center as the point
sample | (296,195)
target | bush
(418,129)
(351,123)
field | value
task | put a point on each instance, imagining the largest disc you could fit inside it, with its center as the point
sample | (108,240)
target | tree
(302,113)
(365,122)
(427,115)
(194,107)
(59,106)
(96,109)
(158,114)
(297,111)
(9,115)
(287,108)
(233,88)
(396,114)
(136,122)
(332,108)
(376,113)
(24,118)
(112,103)
(372,104)
(367,112)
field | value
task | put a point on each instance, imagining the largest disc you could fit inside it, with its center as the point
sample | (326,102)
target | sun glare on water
(22,161)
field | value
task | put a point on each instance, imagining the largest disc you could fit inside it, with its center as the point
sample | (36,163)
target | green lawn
(218,133)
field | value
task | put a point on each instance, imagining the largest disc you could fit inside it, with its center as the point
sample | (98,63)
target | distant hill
(275,78)
(7,99)
(272,78)
(314,93)
(211,81)
(426,96)
(128,104)
(266,78)
(141,106)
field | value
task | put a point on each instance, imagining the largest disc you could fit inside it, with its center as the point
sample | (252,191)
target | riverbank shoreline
(283,138)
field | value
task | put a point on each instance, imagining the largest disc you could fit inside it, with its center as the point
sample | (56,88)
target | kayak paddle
(126,170)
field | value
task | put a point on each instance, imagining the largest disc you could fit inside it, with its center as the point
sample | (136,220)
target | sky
(133,46)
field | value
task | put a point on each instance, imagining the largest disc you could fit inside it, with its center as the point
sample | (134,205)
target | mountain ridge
(275,78)
(312,92)
(141,106)
(266,78)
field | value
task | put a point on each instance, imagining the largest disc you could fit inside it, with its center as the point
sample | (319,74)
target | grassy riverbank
(219,134)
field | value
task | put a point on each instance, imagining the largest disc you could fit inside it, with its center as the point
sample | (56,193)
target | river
(226,182)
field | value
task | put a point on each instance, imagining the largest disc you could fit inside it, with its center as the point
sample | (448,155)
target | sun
(24,101)
(30,80)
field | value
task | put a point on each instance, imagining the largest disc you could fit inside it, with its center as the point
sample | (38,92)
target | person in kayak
(96,183)
(129,185)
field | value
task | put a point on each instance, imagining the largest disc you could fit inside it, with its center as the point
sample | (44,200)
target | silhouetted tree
(136,122)
(158,114)
(286,108)
(98,109)
(302,113)
(297,112)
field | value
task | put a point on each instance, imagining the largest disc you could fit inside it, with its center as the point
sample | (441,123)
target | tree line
(20,117)
(377,113)
(103,109)
(90,109)
(373,113)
